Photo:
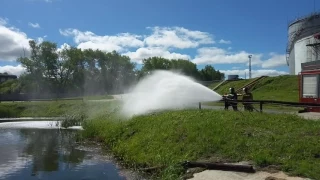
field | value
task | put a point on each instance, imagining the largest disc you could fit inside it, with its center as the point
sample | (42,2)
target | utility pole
(249,66)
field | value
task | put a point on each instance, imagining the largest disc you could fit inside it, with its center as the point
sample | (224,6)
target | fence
(262,102)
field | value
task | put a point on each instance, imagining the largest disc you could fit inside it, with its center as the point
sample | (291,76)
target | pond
(38,150)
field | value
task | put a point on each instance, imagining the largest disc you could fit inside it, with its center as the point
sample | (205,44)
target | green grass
(53,108)
(213,85)
(280,88)
(41,108)
(169,138)
(236,84)
(99,97)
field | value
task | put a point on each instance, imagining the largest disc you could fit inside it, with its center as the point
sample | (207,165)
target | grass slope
(236,84)
(53,108)
(282,88)
(213,85)
(38,109)
(169,138)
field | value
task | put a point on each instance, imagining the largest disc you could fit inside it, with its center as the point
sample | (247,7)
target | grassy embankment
(166,139)
(280,88)
(51,108)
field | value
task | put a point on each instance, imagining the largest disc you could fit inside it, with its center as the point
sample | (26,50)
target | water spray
(166,90)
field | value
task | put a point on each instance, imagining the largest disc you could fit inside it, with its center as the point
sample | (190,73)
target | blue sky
(217,32)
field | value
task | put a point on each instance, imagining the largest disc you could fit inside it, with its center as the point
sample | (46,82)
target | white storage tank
(303,42)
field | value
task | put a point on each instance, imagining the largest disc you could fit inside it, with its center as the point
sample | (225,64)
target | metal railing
(262,102)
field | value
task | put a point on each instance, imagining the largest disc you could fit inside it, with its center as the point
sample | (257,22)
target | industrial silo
(303,42)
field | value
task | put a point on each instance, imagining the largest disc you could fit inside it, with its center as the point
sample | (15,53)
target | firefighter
(231,96)
(247,96)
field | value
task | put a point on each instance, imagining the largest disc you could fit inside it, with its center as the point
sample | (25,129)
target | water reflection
(49,148)
(49,154)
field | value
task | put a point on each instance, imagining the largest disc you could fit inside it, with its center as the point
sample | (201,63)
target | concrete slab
(227,175)
(310,115)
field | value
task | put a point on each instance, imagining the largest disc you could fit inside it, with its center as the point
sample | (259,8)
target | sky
(221,33)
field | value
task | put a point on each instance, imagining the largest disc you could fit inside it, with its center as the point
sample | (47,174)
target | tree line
(89,72)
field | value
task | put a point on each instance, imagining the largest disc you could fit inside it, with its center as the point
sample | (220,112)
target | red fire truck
(309,85)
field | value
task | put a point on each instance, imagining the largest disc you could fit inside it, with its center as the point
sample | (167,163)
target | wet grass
(166,139)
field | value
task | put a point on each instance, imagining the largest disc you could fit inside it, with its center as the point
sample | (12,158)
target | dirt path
(226,175)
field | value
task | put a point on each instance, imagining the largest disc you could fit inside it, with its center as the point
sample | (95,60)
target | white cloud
(64,46)
(235,67)
(15,70)
(222,41)
(12,42)
(177,37)
(87,39)
(161,37)
(276,60)
(34,25)
(254,73)
(164,40)
(146,52)
(214,55)
(3,21)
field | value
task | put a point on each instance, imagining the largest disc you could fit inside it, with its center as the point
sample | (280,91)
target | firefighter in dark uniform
(247,96)
(231,96)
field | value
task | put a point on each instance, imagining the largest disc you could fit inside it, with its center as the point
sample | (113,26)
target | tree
(47,67)
(73,71)
(208,73)
(186,67)
(158,63)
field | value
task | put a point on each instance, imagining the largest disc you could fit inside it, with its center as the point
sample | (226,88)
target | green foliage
(208,73)
(184,66)
(169,138)
(75,71)
(10,111)
(10,86)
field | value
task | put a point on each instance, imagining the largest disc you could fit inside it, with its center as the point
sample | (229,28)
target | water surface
(32,150)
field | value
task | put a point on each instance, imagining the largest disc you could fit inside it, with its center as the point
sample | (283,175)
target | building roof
(7,75)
